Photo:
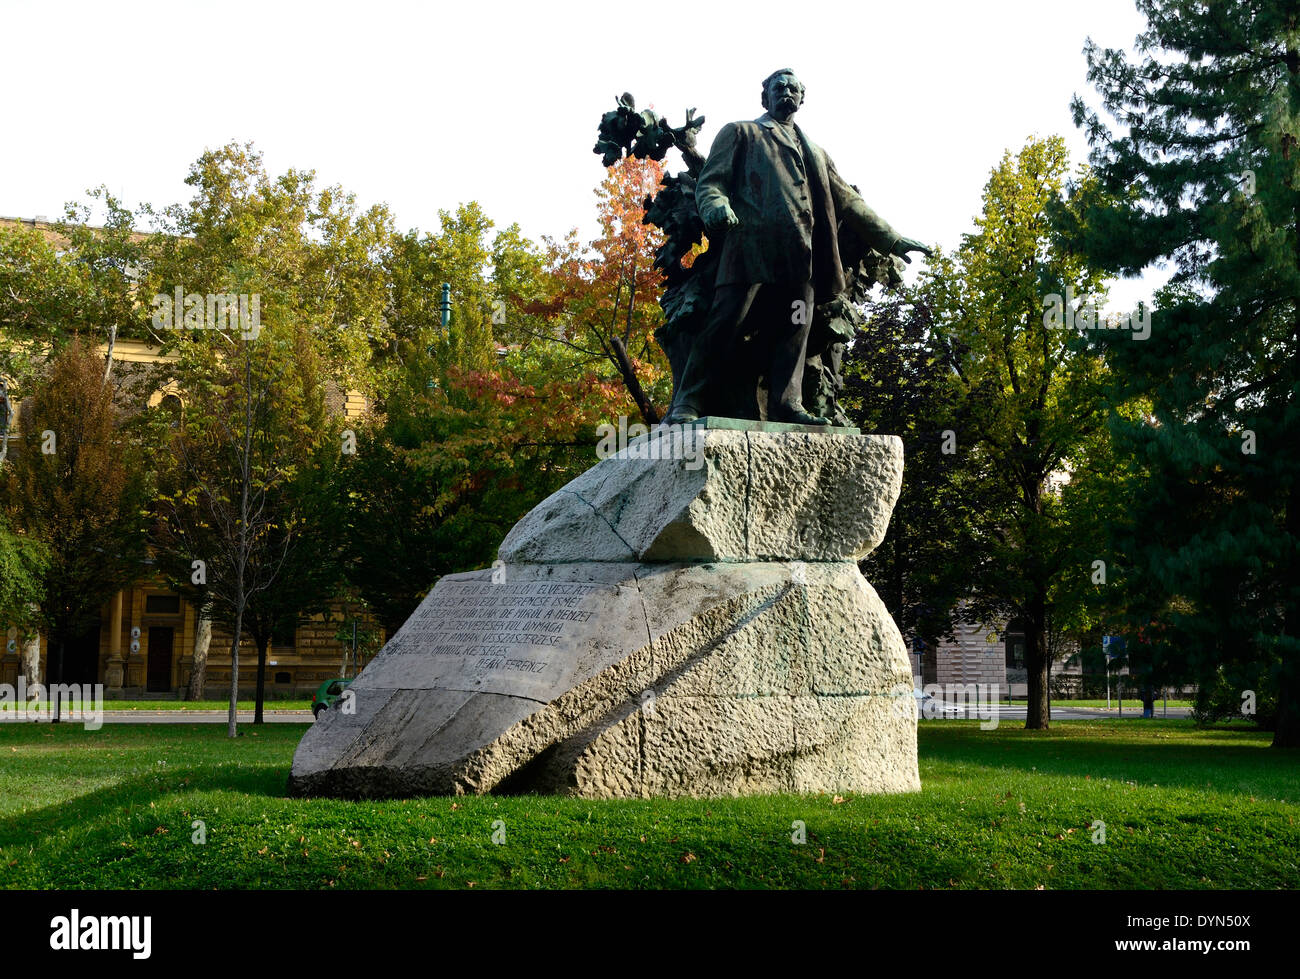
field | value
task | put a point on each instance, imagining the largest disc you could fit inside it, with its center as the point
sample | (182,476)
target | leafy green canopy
(1022,410)
(1199,155)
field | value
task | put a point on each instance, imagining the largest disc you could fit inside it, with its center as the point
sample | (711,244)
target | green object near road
(327,694)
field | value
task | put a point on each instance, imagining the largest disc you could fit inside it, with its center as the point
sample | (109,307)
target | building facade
(982,654)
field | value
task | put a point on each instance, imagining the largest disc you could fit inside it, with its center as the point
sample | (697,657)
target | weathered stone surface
(657,630)
(700,679)
(699,494)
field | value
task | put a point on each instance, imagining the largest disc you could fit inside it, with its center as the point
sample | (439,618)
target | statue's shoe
(797,416)
(681,415)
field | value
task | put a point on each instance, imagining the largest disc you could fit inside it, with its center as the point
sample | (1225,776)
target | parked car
(931,708)
(327,694)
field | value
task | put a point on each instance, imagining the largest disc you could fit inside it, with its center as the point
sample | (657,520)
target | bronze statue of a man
(772,203)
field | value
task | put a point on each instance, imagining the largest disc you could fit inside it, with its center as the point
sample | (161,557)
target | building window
(282,678)
(285,634)
(162,604)
(1014,639)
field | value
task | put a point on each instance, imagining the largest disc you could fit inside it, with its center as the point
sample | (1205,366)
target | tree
(472,425)
(76,489)
(256,447)
(601,303)
(1029,393)
(308,531)
(23,562)
(1203,171)
(239,452)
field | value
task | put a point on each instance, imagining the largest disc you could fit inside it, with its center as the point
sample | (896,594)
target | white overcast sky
(426,105)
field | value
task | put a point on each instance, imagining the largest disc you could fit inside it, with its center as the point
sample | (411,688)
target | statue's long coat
(788,212)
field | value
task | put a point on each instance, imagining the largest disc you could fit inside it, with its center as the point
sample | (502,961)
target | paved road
(1009,714)
(190,717)
(1016,712)
(203,716)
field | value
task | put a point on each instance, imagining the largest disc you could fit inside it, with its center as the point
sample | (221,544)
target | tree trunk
(108,357)
(29,662)
(633,383)
(56,676)
(202,641)
(6,418)
(233,718)
(1286,731)
(1038,663)
(261,678)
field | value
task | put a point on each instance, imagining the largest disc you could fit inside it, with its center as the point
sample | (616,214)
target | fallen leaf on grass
(688,858)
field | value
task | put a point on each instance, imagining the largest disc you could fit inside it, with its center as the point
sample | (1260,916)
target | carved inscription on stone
(498,629)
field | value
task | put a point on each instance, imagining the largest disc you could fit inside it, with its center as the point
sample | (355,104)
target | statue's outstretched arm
(870,226)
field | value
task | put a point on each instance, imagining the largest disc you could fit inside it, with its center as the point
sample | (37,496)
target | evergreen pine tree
(1203,171)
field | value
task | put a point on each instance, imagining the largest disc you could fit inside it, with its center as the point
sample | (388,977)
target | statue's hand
(719,217)
(905,245)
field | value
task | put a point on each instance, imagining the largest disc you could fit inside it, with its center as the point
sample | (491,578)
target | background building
(143,643)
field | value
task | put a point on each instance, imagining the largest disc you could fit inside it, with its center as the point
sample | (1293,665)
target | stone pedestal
(685,618)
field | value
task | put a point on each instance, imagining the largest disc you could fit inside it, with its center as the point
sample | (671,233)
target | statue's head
(782,92)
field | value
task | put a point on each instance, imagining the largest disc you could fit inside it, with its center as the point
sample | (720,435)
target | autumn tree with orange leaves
(601,301)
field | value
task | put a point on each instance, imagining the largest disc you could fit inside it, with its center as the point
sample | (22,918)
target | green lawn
(1007,808)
